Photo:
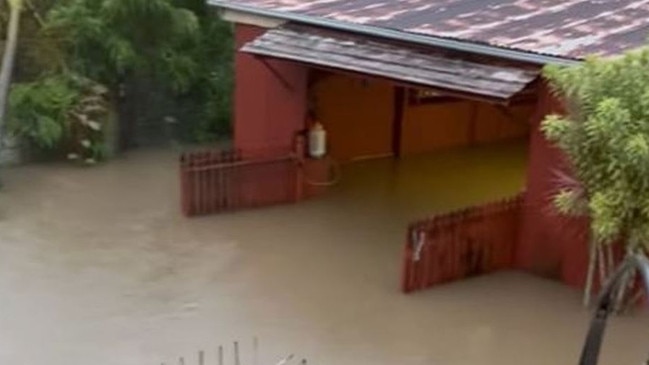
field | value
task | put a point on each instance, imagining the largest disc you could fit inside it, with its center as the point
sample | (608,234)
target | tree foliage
(178,49)
(605,137)
(39,110)
(211,94)
(111,39)
(180,44)
(61,108)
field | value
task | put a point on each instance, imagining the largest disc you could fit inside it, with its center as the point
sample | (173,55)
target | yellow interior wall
(357,115)
(460,123)
(495,124)
(435,126)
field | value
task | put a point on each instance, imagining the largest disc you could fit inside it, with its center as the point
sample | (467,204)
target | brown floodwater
(98,266)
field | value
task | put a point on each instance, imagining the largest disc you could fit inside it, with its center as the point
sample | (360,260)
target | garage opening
(431,152)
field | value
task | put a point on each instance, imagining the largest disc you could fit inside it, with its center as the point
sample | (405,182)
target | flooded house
(405,132)
(383,90)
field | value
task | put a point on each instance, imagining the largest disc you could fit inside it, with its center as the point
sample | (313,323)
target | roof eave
(452,44)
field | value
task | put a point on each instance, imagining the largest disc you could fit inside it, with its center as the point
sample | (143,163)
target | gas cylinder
(317,141)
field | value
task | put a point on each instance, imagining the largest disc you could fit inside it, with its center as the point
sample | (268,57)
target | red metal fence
(461,244)
(215,181)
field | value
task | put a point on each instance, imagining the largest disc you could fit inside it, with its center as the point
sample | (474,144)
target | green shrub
(62,111)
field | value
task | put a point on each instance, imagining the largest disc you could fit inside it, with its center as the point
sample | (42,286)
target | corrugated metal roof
(388,60)
(564,28)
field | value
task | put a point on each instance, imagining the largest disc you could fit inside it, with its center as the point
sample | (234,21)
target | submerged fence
(215,181)
(461,244)
(219,357)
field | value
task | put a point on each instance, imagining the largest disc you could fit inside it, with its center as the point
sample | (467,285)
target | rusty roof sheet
(564,28)
(398,62)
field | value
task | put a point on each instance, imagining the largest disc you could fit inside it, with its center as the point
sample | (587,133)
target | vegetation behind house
(165,65)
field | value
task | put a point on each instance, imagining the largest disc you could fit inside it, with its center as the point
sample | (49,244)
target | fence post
(407,264)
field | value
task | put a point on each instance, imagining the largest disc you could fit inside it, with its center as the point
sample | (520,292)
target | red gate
(215,181)
(461,244)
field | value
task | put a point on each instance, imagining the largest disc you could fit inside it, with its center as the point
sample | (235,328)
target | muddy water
(97,266)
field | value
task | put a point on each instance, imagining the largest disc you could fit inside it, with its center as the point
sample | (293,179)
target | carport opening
(422,149)
(441,129)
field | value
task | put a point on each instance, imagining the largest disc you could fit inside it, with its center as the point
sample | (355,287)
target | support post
(397,122)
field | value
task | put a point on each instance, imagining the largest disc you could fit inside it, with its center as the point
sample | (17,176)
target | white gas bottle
(317,141)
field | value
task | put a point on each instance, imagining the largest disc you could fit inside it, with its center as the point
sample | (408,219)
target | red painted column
(270,98)
(549,245)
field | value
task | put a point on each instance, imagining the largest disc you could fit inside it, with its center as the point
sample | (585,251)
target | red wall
(269,108)
(549,245)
